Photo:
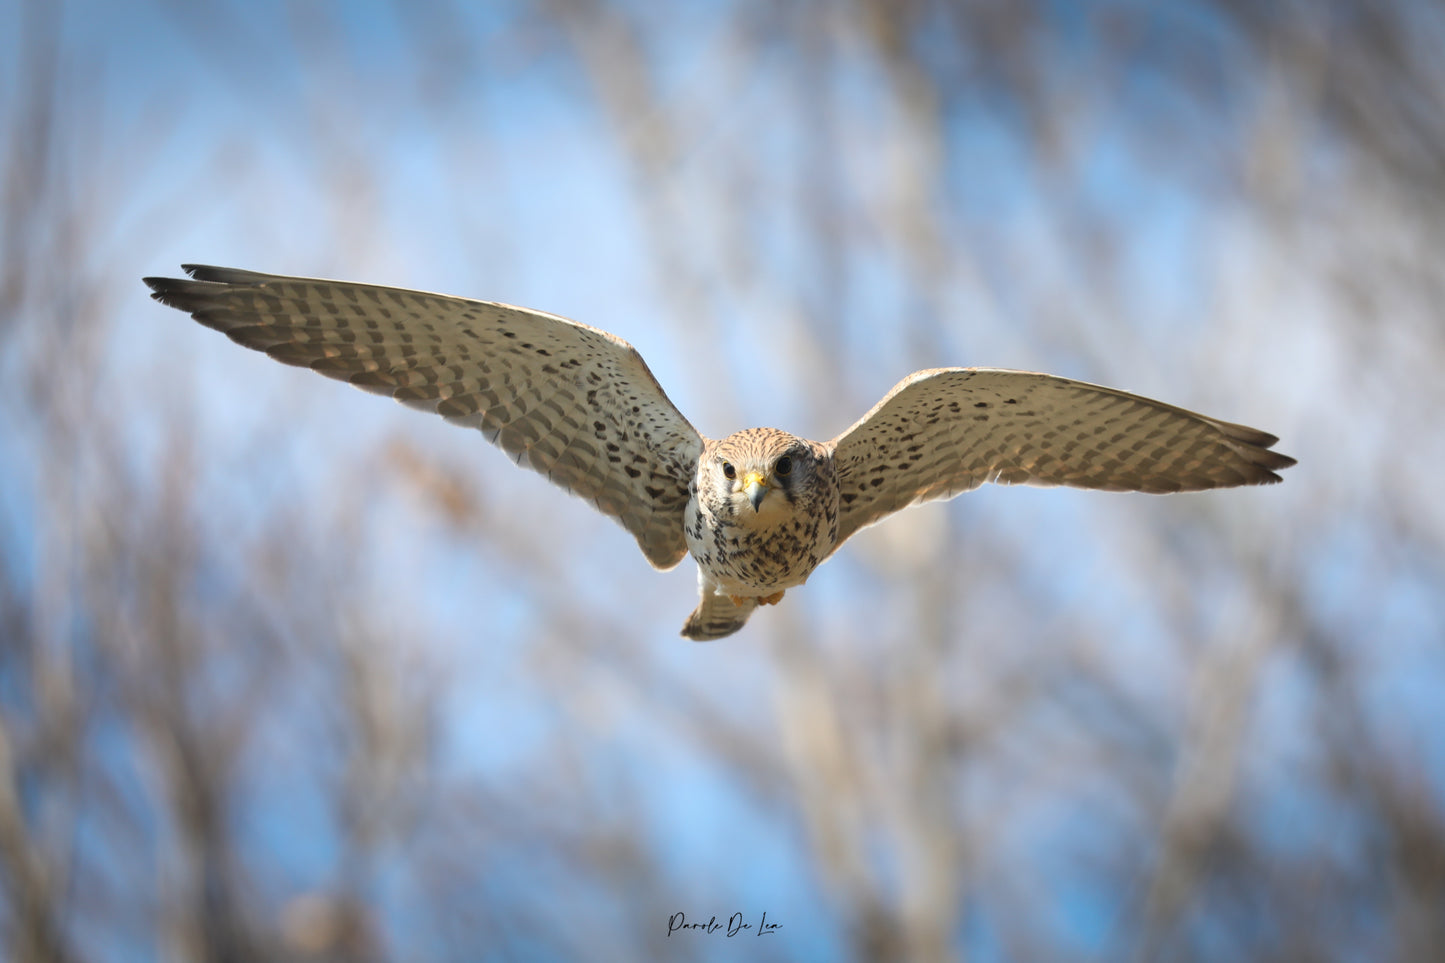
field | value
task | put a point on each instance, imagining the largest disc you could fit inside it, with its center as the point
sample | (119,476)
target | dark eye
(729,470)
(784,466)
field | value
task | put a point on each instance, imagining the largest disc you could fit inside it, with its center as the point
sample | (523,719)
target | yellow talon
(773,599)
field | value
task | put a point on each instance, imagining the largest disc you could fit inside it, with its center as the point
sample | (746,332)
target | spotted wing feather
(572,402)
(948,430)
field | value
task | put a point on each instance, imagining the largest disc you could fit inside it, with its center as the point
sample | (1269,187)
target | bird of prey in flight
(758,510)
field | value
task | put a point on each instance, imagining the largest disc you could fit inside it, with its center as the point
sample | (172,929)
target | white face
(756,475)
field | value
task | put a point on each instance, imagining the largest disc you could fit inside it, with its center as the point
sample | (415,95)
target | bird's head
(756,474)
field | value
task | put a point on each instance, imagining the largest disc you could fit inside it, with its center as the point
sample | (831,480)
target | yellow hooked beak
(755,486)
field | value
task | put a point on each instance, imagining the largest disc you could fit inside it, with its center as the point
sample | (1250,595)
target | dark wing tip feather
(225,275)
(201,280)
(163,286)
(1246,435)
(176,293)
(202,300)
(1255,447)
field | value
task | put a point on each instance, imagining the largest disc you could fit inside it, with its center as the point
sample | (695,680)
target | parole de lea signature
(736,925)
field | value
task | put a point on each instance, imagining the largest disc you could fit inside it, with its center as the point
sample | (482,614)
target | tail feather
(716,616)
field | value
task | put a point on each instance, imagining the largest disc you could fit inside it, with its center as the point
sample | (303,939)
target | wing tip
(1255,447)
(203,289)
(206,274)
(172,292)
(1268,463)
(225,275)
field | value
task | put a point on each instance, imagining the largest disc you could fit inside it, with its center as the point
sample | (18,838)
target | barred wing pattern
(577,404)
(948,430)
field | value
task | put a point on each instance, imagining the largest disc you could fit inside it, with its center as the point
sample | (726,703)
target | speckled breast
(753,560)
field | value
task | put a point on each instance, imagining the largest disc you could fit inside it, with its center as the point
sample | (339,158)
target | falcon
(758,510)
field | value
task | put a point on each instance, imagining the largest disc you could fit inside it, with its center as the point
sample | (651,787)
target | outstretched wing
(572,402)
(949,430)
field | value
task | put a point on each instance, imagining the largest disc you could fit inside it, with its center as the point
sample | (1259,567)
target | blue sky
(320,140)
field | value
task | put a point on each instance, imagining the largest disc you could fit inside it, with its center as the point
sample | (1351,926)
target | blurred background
(288,671)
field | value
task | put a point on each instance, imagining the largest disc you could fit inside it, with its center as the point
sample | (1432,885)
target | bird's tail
(716,616)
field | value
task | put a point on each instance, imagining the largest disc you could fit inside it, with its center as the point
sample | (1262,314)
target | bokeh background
(288,671)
